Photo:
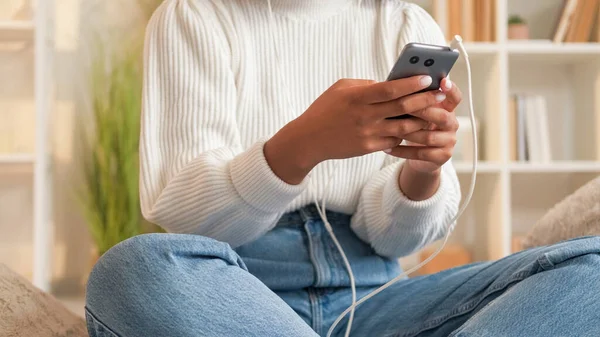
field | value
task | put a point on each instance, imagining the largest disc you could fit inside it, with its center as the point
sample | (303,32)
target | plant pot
(518,32)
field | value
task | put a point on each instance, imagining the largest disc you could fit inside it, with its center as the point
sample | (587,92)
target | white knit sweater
(213,95)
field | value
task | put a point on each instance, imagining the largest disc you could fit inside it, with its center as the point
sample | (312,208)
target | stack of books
(529,134)
(474,20)
(578,21)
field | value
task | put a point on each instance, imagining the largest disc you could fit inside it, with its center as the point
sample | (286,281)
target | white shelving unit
(38,32)
(511,196)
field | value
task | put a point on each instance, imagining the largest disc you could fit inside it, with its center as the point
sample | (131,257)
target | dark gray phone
(424,59)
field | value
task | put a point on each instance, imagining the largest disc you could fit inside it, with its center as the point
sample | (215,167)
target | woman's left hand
(428,149)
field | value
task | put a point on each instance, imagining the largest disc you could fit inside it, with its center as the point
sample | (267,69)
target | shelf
(482,167)
(16,30)
(552,48)
(556,167)
(553,52)
(17,158)
(481,48)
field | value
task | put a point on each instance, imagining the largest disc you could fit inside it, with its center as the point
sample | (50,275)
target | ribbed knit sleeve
(195,175)
(394,225)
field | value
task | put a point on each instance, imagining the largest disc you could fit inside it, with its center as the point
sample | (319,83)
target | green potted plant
(109,156)
(109,193)
(517,28)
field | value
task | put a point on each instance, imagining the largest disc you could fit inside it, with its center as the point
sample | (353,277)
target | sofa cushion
(576,215)
(25,311)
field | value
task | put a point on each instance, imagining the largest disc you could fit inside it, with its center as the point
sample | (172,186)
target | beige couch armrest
(25,311)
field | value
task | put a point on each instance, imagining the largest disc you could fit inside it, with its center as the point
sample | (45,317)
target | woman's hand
(427,150)
(350,119)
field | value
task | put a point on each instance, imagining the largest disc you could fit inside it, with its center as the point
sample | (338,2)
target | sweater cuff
(256,183)
(396,204)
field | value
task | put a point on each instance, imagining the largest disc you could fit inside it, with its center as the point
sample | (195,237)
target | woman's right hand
(349,119)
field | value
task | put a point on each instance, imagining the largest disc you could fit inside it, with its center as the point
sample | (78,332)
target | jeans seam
(312,251)
(467,307)
(336,258)
(545,262)
(96,320)
(455,332)
(315,306)
(304,215)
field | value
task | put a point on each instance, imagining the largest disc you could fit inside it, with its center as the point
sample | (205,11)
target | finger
(400,127)
(382,143)
(432,138)
(436,155)
(408,104)
(443,119)
(453,95)
(391,90)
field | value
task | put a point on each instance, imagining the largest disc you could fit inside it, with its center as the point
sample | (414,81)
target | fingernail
(440,97)
(448,84)
(426,81)
(387,150)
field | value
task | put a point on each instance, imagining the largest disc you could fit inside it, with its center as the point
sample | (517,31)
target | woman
(244,109)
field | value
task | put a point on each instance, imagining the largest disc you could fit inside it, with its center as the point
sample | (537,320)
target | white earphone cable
(321,208)
(322,213)
(457,42)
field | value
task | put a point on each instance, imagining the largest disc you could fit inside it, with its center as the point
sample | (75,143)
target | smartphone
(424,59)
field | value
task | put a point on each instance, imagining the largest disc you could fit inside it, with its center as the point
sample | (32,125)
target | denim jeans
(291,282)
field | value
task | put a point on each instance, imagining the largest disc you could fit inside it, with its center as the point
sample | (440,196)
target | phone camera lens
(429,62)
(414,60)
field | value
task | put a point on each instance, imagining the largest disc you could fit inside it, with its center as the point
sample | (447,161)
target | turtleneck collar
(307,9)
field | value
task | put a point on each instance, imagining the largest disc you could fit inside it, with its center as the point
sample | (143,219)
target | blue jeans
(291,282)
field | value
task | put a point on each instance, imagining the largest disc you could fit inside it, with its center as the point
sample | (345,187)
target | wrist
(422,167)
(418,185)
(289,155)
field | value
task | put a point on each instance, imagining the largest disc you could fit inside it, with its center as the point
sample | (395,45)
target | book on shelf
(529,133)
(523,153)
(595,37)
(487,20)
(570,37)
(468,20)
(513,148)
(577,21)
(474,20)
(454,19)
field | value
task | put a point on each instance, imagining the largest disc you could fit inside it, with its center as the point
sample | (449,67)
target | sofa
(26,311)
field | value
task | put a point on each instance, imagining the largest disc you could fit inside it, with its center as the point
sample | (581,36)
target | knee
(589,262)
(140,270)
(136,258)
(578,255)
(157,257)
